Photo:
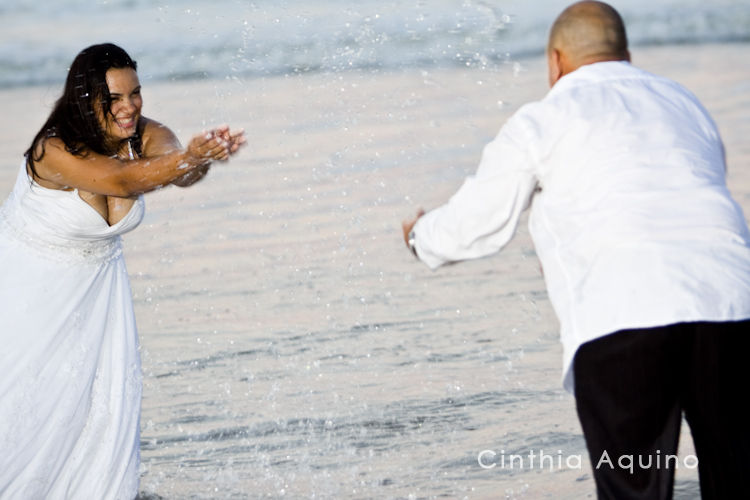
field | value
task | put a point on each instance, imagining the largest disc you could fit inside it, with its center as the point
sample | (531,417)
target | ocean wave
(199,39)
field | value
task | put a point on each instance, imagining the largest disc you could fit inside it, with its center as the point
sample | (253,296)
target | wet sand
(290,343)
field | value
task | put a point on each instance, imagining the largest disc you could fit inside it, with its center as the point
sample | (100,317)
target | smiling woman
(70,395)
(97,141)
(126,102)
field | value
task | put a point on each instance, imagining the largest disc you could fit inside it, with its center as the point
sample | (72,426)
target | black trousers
(631,389)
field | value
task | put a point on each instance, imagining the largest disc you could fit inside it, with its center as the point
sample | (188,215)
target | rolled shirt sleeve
(483,214)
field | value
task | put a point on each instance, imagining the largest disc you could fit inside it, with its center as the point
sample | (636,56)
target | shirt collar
(591,73)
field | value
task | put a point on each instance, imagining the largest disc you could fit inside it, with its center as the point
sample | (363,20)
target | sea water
(236,38)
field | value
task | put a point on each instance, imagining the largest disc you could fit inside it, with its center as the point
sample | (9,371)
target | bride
(70,389)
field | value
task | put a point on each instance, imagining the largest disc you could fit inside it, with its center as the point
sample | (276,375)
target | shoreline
(518,57)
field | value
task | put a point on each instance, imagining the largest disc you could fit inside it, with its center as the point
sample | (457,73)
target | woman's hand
(205,147)
(234,139)
(217,144)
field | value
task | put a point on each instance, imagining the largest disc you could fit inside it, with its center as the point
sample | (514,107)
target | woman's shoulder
(50,146)
(49,154)
(151,129)
(50,140)
(157,138)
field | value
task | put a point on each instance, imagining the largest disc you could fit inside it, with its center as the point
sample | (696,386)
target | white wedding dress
(70,374)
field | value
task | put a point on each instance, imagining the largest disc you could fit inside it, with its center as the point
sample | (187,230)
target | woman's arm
(193,176)
(234,138)
(158,140)
(109,176)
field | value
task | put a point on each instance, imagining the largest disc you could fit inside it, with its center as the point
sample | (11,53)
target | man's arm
(482,216)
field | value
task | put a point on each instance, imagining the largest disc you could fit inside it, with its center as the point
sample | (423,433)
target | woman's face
(125,89)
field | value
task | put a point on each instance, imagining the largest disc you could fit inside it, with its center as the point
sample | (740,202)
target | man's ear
(554,66)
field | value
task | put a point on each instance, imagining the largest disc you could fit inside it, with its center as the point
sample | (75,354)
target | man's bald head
(587,32)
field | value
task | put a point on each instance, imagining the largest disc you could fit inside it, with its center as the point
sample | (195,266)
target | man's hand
(408,224)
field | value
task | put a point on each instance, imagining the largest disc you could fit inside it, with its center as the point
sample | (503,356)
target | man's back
(631,217)
(633,224)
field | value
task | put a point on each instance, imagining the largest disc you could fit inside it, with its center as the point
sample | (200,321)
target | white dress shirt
(631,217)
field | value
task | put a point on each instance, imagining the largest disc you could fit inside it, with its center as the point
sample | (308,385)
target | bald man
(646,256)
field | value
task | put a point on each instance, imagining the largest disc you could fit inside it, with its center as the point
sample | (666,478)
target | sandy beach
(292,347)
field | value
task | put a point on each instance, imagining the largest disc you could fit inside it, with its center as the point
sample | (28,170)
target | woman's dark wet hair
(73,119)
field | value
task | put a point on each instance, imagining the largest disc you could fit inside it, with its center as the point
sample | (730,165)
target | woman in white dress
(70,388)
